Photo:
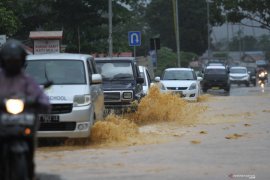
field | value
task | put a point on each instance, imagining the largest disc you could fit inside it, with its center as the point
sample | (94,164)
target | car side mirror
(157,79)
(96,79)
(140,80)
(199,78)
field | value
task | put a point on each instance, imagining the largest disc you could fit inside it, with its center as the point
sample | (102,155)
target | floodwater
(215,138)
(157,120)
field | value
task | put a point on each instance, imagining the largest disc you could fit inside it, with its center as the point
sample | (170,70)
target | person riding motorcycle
(262,74)
(14,81)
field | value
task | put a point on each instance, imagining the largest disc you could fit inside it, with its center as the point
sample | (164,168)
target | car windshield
(115,70)
(238,71)
(215,71)
(178,75)
(58,71)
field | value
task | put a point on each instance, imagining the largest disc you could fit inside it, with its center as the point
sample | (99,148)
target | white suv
(239,75)
(76,95)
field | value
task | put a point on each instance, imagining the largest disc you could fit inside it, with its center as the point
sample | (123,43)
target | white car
(182,81)
(239,75)
(148,82)
(147,79)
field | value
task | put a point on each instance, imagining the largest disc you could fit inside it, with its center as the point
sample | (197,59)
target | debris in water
(195,142)
(203,132)
(233,136)
(266,111)
(247,125)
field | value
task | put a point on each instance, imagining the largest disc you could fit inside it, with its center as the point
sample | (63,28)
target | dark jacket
(22,85)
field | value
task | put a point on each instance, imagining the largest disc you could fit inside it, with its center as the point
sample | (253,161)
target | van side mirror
(47,84)
(96,79)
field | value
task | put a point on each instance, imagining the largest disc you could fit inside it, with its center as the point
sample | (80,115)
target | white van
(76,95)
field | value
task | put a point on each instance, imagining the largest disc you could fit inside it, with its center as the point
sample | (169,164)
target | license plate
(47,118)
(215,88)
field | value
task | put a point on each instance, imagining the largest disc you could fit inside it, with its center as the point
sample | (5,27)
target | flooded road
(224,136)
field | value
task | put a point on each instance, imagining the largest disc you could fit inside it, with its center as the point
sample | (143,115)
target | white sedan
(182,81)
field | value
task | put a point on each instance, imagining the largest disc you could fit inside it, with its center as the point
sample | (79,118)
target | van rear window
(59,71)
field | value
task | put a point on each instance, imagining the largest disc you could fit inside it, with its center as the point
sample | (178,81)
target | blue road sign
(134,38)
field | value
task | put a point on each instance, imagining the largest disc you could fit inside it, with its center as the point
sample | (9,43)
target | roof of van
(115,58)
(58,56)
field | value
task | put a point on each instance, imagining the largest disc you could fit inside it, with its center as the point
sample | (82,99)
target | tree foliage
(237,10)
(9,23)
(168,59)
(192,24)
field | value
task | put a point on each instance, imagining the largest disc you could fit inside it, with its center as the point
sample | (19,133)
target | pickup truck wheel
(204,90)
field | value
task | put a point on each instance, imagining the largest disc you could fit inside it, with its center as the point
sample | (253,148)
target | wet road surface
(230,141)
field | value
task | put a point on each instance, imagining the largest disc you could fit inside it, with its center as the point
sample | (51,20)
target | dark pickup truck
(216,77)
(122,83)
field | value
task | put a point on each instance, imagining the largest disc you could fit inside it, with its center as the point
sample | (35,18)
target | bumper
(76,124)
(221,85)
(234,81)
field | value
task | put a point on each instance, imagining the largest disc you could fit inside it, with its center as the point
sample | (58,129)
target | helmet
(12,56)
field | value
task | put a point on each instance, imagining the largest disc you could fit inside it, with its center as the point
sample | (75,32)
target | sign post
(46,42)
(134,39)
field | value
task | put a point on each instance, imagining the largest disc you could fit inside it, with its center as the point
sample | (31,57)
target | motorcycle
(18,128)
(262,78)
(17,132)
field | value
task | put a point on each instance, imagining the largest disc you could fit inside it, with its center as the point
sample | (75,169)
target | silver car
(76,94)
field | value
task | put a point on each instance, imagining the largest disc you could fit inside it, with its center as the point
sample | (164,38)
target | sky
(221,32)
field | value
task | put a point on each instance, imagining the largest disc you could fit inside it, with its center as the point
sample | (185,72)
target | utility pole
(208,29)
(110,29)
(176,16)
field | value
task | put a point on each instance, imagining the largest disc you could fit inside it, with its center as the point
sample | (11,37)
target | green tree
(9,23)
(192,22)
(237,10)
(168,59)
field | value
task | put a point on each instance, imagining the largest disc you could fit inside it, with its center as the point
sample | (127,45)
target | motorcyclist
(262,70)
(14,81)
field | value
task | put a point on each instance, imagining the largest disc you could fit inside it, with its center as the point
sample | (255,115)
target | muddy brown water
(157,120)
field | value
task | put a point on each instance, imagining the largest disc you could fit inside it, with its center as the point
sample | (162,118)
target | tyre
(227,89)
(247,84)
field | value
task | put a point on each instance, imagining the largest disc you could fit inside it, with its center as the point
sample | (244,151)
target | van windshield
(59,71)
(115,70)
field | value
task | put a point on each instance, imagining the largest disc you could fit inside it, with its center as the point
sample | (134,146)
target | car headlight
(192,86)
(127,95)
(14,106)
(81,100)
